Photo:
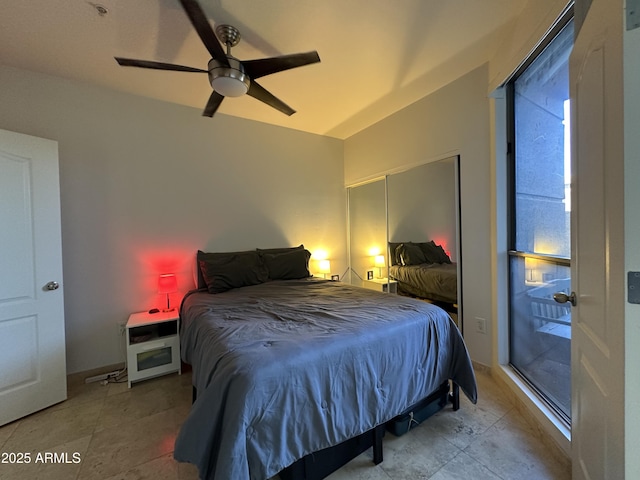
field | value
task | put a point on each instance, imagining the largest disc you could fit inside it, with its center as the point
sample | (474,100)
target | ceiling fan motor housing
(229,81)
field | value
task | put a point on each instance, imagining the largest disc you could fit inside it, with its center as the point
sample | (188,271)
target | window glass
(540,327)
(542,151)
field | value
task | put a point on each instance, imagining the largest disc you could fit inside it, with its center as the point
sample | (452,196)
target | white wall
(527,31)
(452,120)
(144,184)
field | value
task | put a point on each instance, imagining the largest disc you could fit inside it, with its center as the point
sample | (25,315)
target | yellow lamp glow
(325,267)
(319,255)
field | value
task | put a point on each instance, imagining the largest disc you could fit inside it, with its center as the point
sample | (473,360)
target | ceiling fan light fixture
(228,81)
(229,86)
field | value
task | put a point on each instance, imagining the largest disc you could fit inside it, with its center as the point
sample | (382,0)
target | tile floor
(113,433)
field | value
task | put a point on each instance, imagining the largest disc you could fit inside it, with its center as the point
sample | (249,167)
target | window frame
(509,87)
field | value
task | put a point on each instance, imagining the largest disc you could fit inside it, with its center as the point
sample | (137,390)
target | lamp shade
(378,261)
(167,283)
(325,266)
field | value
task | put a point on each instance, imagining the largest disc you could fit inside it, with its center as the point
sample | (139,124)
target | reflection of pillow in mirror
(443,255)
(434,253)
(288,265)
(411,254)
(224,271)
(444,258)
(393,254)
(430,252)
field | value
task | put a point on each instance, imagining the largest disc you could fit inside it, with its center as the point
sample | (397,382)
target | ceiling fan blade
(205,32)
(130,62)
(260,93)
(212,105)
(267,66)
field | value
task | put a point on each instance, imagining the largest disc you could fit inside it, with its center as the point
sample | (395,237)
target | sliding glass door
(540,251)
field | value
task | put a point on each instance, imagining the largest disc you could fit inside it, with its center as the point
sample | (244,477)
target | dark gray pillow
(289,265)
(393,247)
(224,271)
(263,251)
(434,253)
(442,255)
(430,253)
(411,254)
(205,256)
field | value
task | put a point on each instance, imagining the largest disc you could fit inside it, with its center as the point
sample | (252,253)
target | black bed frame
(319,465)
(323,463)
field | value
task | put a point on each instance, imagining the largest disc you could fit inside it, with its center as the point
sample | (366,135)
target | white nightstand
(153,345)
(382,285)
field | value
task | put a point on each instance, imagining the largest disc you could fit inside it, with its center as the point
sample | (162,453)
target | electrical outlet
(122,326)
(369,274)
(481,325)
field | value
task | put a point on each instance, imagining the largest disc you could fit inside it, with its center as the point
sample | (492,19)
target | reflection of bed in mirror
(420,203)
(424,270)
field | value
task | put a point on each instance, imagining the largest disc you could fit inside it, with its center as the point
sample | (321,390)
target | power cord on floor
(122,375)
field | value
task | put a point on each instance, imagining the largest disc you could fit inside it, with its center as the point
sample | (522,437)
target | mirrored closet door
(368,235)
(405,228)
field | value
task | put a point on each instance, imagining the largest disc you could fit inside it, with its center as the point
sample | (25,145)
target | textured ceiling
(377,56)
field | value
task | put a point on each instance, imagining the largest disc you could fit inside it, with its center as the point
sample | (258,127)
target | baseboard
(481,367)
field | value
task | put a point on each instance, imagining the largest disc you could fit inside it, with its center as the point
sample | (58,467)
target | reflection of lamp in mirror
(324,267)
(532,275)
(167,284)
(529,265)
(378,261)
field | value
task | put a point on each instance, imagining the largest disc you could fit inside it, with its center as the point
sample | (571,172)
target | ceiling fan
(229,76)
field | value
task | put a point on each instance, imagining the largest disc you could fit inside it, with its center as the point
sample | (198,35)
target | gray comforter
(286,368)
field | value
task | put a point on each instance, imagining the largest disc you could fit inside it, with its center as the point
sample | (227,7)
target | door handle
(52,286)
(562,297)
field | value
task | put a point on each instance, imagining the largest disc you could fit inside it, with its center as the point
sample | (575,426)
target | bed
(424,270)
(286,367)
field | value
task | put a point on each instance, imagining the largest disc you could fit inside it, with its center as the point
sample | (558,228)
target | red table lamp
(167,284)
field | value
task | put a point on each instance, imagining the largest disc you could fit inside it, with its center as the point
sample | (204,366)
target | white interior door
(32,342)
(597,355)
